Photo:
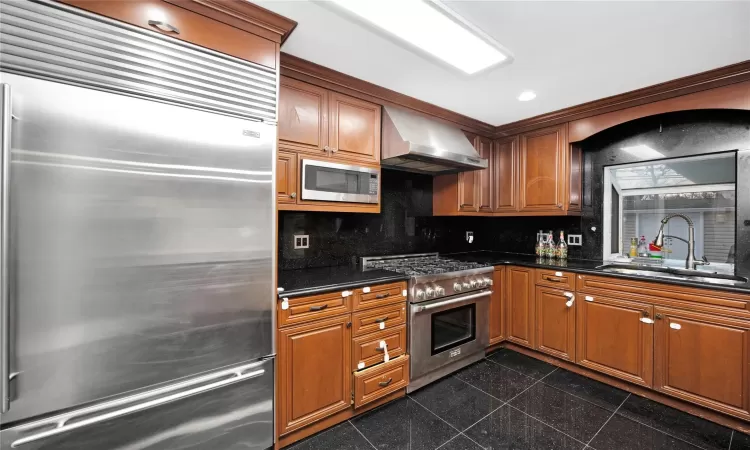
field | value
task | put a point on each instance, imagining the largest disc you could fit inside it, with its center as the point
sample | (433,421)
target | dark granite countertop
(319,280)
(587,266)
(326,279)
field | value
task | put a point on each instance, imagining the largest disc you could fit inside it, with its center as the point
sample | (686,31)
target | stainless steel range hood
(415,143)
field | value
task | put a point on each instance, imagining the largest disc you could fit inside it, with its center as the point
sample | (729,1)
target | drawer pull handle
(385,383)
(381,320)
(164,26)
(549,278)
(380,349)
(319,308)
(383,296)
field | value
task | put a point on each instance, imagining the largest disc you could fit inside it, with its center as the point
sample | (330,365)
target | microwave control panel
(373,185)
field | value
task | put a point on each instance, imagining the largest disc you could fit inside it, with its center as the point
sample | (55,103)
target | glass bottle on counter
(550,248)
(539,249)
(562,247)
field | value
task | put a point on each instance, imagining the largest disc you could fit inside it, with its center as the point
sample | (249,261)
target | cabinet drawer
(379,381)
(374,296)
(369,321)
(306,309)
(187,26)
(366,349)
(556,279)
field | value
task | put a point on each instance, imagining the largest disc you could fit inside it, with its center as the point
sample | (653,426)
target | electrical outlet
(301,241)
(575,239)
(469,237)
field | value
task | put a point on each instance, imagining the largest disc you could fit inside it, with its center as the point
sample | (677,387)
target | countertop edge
(335,287)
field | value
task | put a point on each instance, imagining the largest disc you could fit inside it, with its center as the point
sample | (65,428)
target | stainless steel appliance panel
(334,182)
(141,247)
(227,412)
(436,339)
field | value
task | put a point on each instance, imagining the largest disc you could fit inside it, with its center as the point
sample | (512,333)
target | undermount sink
(700,276)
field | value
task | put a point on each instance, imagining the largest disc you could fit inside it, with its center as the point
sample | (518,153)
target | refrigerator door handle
(61,422)
(6,119)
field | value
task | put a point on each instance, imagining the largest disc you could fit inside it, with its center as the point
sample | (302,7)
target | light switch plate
(575,239)
(301,241)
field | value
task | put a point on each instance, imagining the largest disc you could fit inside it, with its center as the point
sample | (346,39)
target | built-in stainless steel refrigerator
(137,238)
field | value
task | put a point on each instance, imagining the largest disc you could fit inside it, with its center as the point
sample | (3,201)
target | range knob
(481,283)
(466,285)
(487,281)
(473,284)
(439,291)
(457,287)
(430,292)
(420,295)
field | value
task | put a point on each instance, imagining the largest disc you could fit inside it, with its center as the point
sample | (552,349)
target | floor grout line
(534,384)
(731,438)
(581,398)
(430,411)
(361,434)
(546,424)
(444,443)
(516,370)
(607,421)
(480,389)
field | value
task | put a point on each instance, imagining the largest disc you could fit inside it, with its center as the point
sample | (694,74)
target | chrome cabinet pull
(380,349)
(164,26)
(381,320)
(385,383)
(5,375)
(549,278)
(60,423)
(319,308)
(382,296)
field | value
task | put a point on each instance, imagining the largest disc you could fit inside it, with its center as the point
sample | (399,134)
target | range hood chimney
(414,143)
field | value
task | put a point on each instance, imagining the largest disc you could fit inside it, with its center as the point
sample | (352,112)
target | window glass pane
(718,169)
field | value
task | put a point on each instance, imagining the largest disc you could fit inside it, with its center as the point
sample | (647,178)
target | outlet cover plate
(301,241)
(575,239)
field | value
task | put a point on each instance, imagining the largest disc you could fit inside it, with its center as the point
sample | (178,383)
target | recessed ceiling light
(526,96)
(431,27)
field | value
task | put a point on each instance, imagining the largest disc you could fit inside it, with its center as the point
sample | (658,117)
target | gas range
(433,276)
(448,312)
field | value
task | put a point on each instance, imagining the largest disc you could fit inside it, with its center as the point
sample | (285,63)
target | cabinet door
(556,322)
(543,169)
(575,191)
(520,305)
(484,178)
(505,175)
(497,306)
(286,177)
(354,128)
(703,359)
(468,195)
(614,337)
(315,377)
(303,116)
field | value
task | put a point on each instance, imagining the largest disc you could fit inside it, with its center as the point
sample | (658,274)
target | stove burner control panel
(429,291)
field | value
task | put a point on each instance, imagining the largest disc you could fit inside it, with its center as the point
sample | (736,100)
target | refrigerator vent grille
(54,41)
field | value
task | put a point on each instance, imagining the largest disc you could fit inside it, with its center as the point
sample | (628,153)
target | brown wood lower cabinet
(497,306)
(520,305)
(381,380)
(312,386)
(556,322)
(704,359)
(612,338)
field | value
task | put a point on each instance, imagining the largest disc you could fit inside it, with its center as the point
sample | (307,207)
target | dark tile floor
(509,401)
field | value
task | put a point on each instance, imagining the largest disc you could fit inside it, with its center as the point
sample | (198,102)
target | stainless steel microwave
(335,182)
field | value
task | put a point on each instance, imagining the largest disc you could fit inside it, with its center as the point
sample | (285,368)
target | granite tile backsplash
(406,224)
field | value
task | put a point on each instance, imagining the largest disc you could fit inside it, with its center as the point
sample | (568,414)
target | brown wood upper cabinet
(286,177)
(328,124)
(535,173)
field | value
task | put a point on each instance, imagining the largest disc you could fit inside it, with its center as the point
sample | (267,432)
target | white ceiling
(568,52)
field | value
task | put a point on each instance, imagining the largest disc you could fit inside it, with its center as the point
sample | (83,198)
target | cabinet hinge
(352,397)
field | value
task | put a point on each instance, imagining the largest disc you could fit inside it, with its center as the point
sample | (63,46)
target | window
(638,196)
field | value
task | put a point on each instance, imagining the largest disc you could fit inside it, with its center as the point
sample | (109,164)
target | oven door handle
(421,308)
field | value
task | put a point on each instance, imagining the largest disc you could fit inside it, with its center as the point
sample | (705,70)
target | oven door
(448,329)
(334,182)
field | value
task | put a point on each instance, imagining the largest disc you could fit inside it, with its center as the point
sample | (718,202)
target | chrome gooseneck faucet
(691,262)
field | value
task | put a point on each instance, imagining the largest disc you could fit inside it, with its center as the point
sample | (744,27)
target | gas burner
(419,265)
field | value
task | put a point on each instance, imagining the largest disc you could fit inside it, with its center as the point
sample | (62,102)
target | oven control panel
(446,288)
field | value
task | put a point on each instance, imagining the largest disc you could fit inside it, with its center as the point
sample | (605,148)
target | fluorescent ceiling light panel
(526,96)
(431,27)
